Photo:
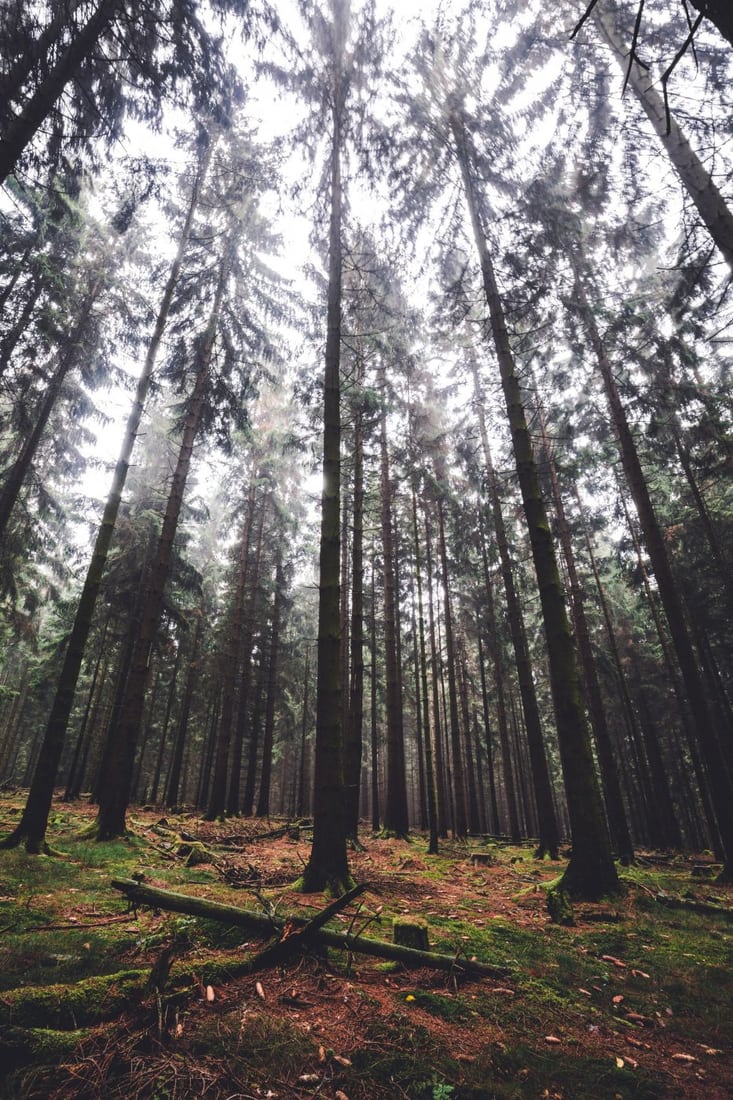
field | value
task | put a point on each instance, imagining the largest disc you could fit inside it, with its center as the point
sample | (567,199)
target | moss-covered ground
(632,1000)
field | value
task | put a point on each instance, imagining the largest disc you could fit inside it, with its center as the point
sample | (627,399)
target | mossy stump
(560,907)
(194,853)
(410,932)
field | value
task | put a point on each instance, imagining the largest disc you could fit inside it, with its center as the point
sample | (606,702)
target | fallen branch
(292,830)
(139,894)
(294,938)
(70,926)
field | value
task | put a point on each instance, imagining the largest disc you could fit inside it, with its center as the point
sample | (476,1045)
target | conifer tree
(32,827)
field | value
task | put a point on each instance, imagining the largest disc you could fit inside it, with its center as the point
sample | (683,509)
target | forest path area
(99,1000)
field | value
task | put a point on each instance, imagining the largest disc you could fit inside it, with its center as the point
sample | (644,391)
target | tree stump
(410,932)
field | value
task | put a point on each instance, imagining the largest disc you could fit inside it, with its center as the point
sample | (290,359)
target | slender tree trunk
(711,206)
(345,635)
(173,782)
(395,803)
(497,661)
(153,796)
(33,823)
(263,802)
(673,675)
(440,776)
(597,712)
(549,836)
(18,472)
(115,791)
(231,669)
(10,340)
(151,702)
(421,725)
(430,785)
(327,866)
(373,697)
(354,728)
(493,814)
(721,789)
(460,823)
(243,722)
(303,768)
(591,872)
(474,820)
(716,547)
(665,820)
(98,676)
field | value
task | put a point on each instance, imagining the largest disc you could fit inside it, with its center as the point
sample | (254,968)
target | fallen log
(294,937)
(694,906)
(139,894)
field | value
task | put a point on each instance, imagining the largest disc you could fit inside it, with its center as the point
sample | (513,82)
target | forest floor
(635,999)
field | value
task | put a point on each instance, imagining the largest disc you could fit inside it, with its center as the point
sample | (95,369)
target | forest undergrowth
(632,999)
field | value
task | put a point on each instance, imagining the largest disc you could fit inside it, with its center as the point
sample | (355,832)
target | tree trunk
(243,720)
(231,667)
(99,676)
(115,791)
(10,340)
(474,819)
(327,866)
(173,782)
(11,84)
(716,766)
(258,922)
(19,470)
(353,740)
(549,835)
(300,805)
(431,793)
(609,772)
(441,795)
(673,675)
(718,12)
(373,725)
(153,796)
(591,872)
(460,823)
(395,803)
(497,661)
(33,823)
(22,129)
(493,815)
(698,183)
(263,802)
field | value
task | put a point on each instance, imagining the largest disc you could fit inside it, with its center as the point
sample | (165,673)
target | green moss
(560,907)
(43,1045)
(452,1008)
(61,955)
(411,932)
(71,1006)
